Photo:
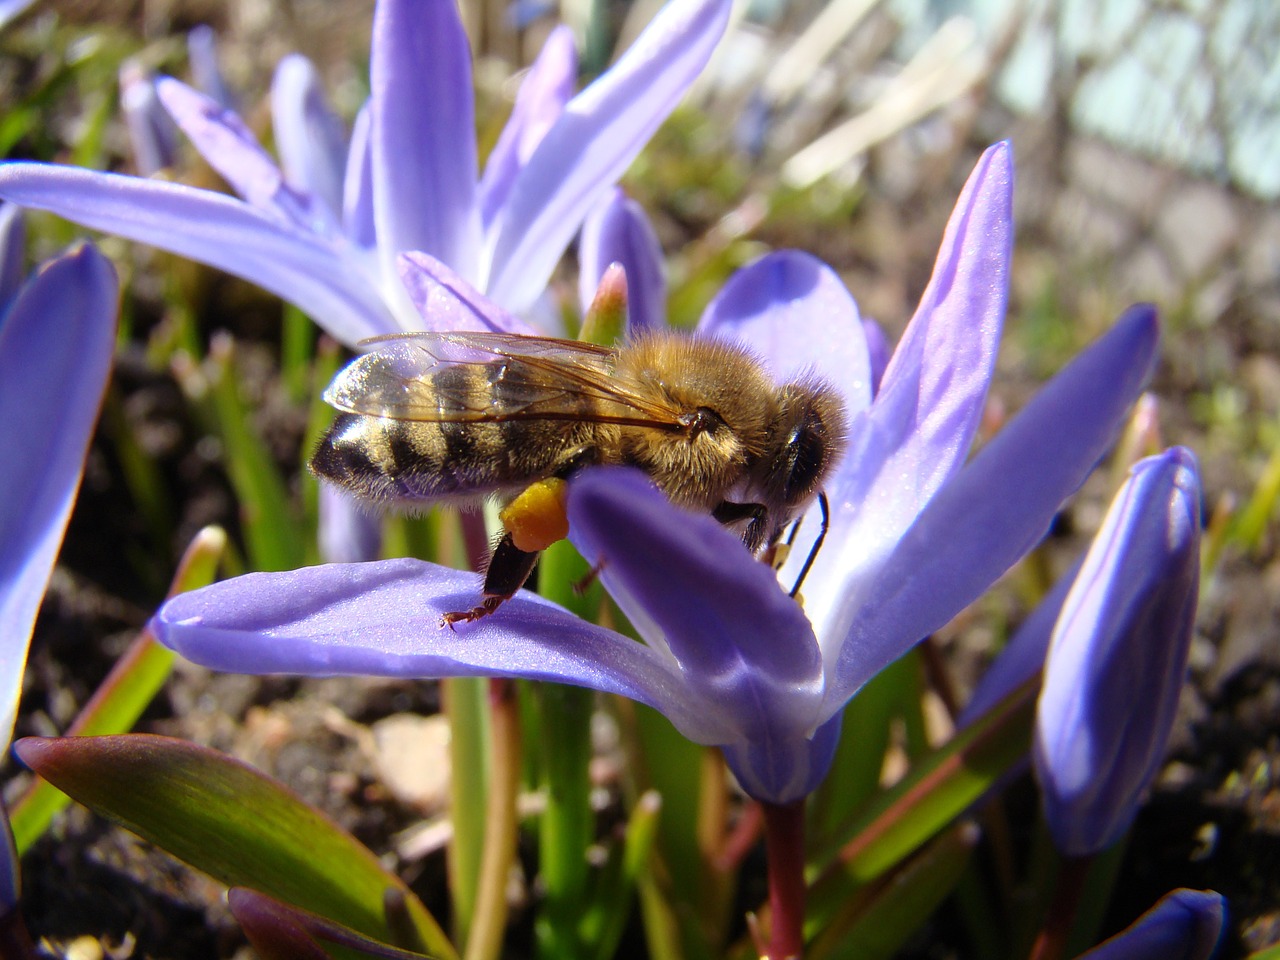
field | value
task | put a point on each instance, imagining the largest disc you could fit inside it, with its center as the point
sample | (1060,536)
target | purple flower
(152,133)
(1183,925)
(618,231)
(326,231)
(56,337)
(729,657)
(1118,657)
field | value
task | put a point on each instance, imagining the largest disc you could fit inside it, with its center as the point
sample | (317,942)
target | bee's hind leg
(508,570)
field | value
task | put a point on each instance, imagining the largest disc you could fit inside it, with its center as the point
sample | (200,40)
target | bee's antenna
(817,544)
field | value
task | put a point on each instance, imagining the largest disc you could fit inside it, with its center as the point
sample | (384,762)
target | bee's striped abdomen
(400,460)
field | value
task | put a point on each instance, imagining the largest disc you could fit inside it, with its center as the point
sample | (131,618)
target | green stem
(1052,940)
(489,922)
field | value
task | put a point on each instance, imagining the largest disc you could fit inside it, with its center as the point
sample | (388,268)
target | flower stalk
(784,845)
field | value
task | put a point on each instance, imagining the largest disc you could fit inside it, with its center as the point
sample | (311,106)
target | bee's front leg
(509,568)
(756,532)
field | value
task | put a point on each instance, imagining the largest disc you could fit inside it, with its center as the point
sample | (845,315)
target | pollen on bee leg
(537,518)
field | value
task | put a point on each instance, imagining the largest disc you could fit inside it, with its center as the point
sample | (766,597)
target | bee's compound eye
(813,443)
(807,453)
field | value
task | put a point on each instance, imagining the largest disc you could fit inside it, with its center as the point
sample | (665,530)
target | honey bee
(430,418)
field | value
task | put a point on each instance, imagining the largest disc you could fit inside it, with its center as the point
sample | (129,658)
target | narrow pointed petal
(309,136)
(1183,925)
(445,301)
(202,53)
(215,229)
(357,189)
(231,148)
(689,586)
(990,514)
(878,347)
(545,90)
(423,134)
(600,132)
(13,241)
(932,393)
(153,137)
(617,231)
(797,315)
(60,330)
(1118,658)
(383,620)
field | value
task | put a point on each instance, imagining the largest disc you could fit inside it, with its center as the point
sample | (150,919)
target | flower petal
(215,229)
(594,141)
(1118,658)
(383,619)
(930,400)
(423,134)
(357,188)
(13,240)
(153,136)
(1183,925)
(780,771)
(617,231)
(545,90)
(309,136)
(445,301)
(797,315)
(990,514)
(231,148)
(202,54)
(690,587)
(348,533)
(60,331)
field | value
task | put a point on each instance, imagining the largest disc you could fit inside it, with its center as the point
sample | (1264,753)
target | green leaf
(875,925)
(236,824)
(937,790)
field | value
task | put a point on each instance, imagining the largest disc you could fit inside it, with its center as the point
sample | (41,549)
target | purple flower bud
(1183,925)
(1118,657)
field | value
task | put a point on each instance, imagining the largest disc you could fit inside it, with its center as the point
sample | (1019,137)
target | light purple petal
(423,134)
(594,141)
(202,53)
(309,136)
(545,90)
(1118,658)
(383,619)
(13,241)
(447,302)
(918,432)
(990,514)
(55,344)
(215,229)
(231,148)
(878,348)
(153,137)
(617,231)
(1184,925)
(797,315)
(357,189)
(348,533)
(689,585)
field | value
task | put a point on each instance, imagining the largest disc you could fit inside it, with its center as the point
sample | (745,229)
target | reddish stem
(784,845)
(1051,943)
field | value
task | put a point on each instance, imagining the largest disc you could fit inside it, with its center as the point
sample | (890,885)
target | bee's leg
(757,516)
(509,568)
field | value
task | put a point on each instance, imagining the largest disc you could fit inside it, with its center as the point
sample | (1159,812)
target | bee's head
(811,437)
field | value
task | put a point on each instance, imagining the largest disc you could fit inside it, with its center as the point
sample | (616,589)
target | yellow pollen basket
(536,518)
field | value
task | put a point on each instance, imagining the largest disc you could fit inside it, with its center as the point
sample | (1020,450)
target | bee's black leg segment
(509,568)
(755,514)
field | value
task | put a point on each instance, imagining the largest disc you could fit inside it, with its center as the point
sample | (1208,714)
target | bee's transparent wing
(467,377)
